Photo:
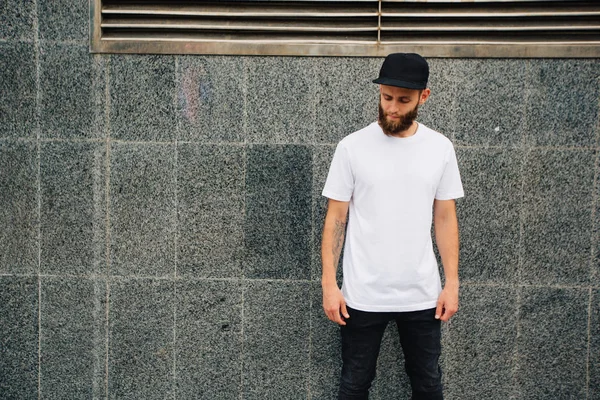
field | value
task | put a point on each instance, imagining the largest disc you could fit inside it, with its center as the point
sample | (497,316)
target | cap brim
(402,84)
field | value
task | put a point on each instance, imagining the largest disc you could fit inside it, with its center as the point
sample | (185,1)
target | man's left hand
(447,304)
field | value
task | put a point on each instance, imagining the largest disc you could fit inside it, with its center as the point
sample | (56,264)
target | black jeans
(420,335)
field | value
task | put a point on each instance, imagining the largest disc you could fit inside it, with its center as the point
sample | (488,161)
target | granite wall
(160,220)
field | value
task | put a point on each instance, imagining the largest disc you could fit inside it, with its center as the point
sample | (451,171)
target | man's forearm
(446,235)
(334,231)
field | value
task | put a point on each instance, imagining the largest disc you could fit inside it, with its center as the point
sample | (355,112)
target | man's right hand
(334,304)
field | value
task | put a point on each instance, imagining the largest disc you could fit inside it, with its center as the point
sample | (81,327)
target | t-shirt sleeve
(450,186)
(340,180)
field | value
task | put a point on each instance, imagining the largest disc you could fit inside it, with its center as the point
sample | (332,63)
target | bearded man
(387,183)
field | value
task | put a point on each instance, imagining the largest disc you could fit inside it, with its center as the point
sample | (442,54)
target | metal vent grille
(501,28)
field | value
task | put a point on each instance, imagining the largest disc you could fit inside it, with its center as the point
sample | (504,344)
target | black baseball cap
(405,70)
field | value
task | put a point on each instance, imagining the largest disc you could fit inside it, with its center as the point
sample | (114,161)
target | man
(393,178)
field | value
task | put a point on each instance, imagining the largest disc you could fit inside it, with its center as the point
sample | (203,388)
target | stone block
(140,364)
(280,100)
(276,340)
(72,86)
(322,156)
(440,110)
(211,197)
(490,100)
(211,99)
(562,102)
(325,350)
(18,90)
(488,215)
(553,343)
(557,219)
(19,211)
(19,333)
(142,209)
(277,228)
(208,339)
(16,20)
(346,99)
(73,338)
(64,20)
(73,208)
(480,343)
(142,97)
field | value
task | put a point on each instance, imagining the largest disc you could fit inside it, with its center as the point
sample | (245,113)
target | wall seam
(108,226)
(244,173)
(176,236)
(38,108)
(589,332)
(519,287)
(594,243)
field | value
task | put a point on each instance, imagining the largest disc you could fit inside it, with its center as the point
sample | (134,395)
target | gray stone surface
(346,99)
(557,217)
(73,208)
(142,209)
(325,350)
(562,102)
(276,340)
(552,343)
(391,381)
(72,92)
(211,99)
(64,20)
(73,338)
(322,156)
(277,226)
(489,214)
(439,112)
(17,90)
(19,210)
(211,196)
(490,100)
(595,272)
(208,339)
(142,97)
(594,372)
(140,364)
(479,344)
(280,100)
(19,337)
(16,19)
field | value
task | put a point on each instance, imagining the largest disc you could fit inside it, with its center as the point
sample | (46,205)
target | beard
(405,121)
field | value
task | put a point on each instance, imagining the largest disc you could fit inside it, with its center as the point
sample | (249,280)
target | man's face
(398,108)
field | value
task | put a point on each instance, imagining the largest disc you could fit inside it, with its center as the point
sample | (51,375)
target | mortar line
(244,172)
(310,341)
(176,235)
(108,227)
(594,243)
(518,288)
(237,279)
(38,112)
(589,346)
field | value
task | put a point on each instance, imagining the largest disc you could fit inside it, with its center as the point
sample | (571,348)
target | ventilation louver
(501,28)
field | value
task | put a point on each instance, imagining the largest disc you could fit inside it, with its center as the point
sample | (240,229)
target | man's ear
(424,96)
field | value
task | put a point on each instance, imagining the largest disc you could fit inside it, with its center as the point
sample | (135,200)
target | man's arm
(334,231)
(446,237)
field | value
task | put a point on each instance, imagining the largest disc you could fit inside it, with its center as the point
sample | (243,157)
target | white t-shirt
(391,182)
